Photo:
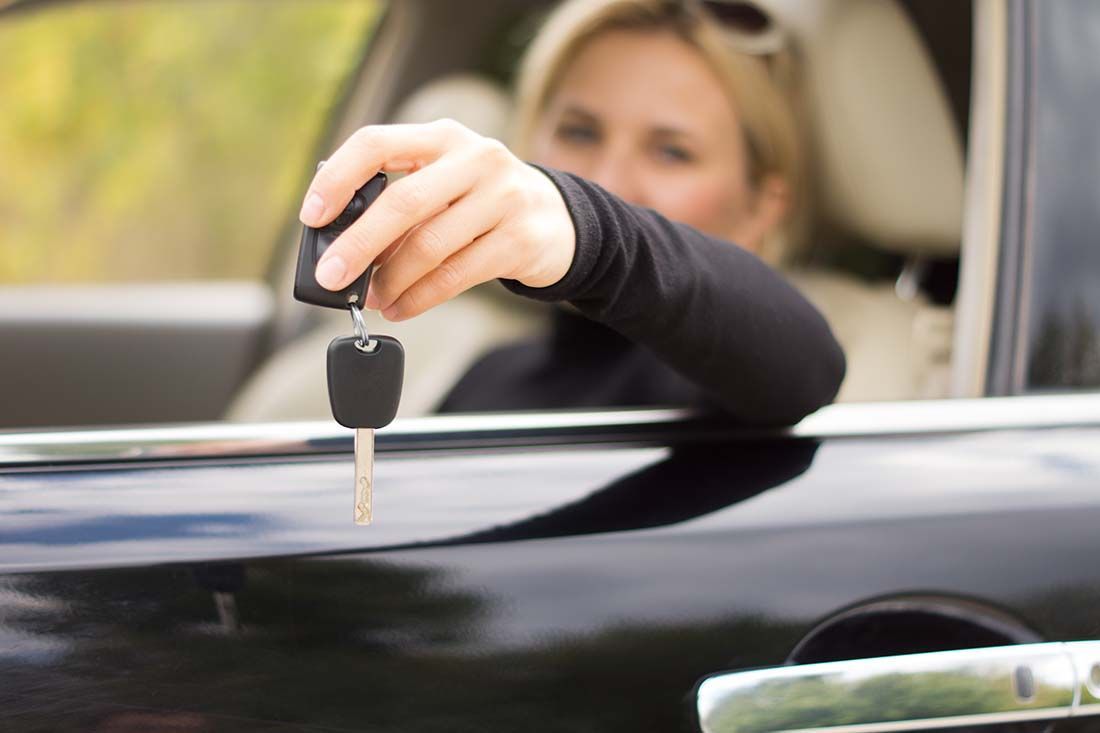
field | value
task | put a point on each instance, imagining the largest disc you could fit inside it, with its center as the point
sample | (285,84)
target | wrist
(582,252)
(555,235)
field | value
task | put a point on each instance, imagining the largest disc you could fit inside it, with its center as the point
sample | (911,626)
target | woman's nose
(619,175)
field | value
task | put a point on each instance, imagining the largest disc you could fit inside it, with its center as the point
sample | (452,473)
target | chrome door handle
(1006,684)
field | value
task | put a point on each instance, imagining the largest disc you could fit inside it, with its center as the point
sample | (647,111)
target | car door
(152,152)
(580,571)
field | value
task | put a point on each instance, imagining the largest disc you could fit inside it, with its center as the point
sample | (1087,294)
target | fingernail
(330,273)
(372,302)
(390,313)
(312,209)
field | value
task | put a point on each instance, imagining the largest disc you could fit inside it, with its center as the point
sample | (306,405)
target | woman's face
(641,114)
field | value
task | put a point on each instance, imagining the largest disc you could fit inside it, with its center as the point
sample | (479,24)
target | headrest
(475,101)
(888,157)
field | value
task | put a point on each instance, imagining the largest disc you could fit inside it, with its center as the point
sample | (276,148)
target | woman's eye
(674,154)
(577,134)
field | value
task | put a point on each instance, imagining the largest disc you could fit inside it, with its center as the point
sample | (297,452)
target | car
(883,565)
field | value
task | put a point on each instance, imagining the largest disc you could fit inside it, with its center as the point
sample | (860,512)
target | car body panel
(585,587)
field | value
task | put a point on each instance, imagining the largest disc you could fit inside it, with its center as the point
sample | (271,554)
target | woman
(646,98)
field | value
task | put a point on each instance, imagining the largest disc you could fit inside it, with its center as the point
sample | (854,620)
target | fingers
(468,212)
(369,150)
(403,206)
(469,266)
(427,246)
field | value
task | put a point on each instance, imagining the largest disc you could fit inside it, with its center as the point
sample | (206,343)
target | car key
(364,388)
(314,242)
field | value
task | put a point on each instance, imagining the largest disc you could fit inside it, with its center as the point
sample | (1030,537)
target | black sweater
(672,317)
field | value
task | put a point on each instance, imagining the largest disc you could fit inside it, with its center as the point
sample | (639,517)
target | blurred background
(164,140)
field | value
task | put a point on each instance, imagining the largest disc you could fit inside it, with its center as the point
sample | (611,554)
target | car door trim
(974,309)
(1005,367)
(52,449)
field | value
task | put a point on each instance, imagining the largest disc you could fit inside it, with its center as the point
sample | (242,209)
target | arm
(709,308)
(470,211)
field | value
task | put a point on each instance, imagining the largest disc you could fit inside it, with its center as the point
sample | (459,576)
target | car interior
(887,99)
(889,119)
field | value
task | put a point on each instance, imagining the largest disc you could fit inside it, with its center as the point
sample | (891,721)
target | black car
(884,565)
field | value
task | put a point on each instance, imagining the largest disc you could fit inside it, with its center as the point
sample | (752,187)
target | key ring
(364,343)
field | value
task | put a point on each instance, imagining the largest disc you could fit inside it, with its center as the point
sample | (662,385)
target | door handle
(1006,684)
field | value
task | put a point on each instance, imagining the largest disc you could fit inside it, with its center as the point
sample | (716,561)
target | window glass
(163,140)
(1064,277)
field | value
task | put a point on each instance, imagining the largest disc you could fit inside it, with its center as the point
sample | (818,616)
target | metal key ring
(364,343)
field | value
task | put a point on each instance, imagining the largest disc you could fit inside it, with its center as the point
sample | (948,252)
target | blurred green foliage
(164,140)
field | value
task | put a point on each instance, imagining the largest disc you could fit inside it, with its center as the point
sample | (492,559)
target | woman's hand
(467,212)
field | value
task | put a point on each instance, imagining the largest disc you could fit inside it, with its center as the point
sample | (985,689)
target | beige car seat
(889,170)
(441,344)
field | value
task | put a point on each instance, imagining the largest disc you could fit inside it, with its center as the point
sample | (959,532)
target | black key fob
(316,241)
(364,387)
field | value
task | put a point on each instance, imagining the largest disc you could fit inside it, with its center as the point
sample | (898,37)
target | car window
(163,140)
(170,140)
(1062,283)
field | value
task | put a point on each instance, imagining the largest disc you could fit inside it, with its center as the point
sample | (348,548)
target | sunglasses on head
(752,28)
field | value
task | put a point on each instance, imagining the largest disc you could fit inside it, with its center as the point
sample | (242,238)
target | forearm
(708,308)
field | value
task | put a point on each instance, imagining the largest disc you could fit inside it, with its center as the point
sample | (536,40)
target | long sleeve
(708,308)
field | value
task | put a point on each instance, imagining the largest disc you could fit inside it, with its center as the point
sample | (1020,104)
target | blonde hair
(763,89)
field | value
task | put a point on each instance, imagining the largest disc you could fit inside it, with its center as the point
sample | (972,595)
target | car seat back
(888,169)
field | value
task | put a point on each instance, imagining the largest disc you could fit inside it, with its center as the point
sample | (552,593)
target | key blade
(364,476)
